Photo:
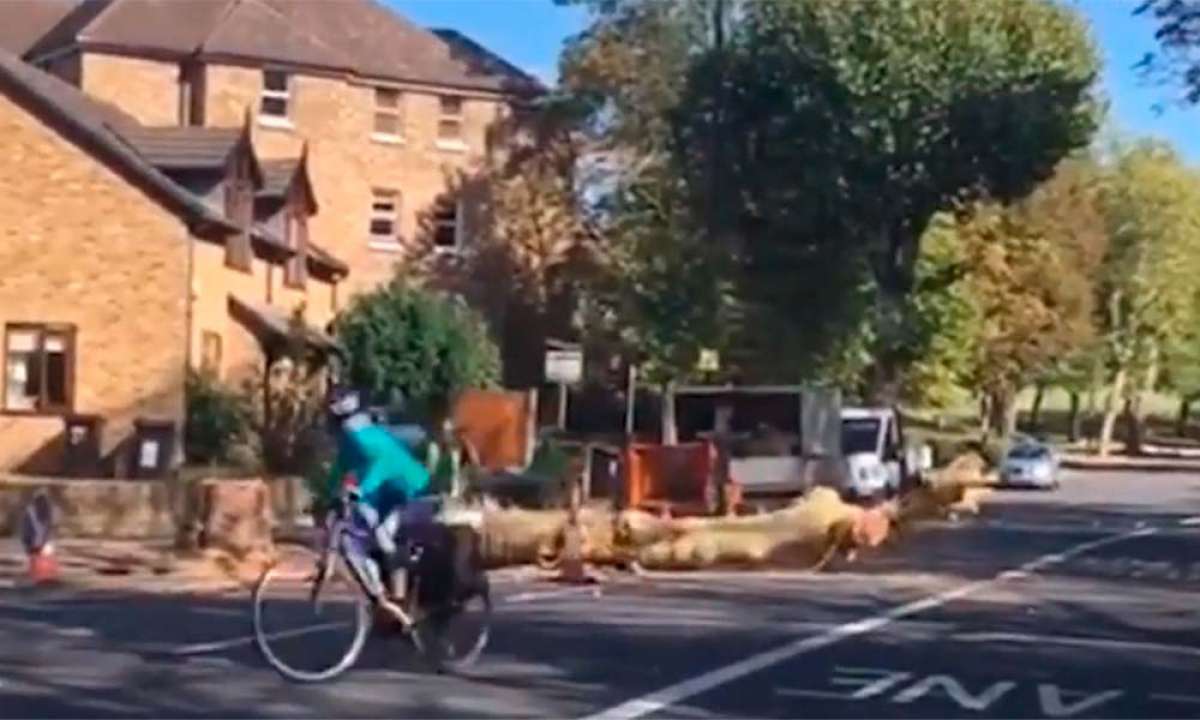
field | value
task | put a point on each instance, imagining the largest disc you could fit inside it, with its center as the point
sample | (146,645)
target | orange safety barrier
(672,477)
(497,425)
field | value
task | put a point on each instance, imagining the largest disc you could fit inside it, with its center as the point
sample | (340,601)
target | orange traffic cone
(43,566)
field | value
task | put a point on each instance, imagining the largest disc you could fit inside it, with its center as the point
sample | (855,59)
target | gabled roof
(166,26)
(114,137)
(184,148)
(90,125)
(28,21)
(280,175)
(360,37)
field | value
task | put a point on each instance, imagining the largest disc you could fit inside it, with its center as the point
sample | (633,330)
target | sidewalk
(1155,464)
(148,566)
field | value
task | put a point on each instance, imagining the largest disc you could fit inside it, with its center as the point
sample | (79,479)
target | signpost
(564,366)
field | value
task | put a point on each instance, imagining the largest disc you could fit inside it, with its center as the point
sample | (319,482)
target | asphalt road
(1080,603)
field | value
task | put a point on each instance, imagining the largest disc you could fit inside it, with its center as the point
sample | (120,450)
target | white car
(1030,464)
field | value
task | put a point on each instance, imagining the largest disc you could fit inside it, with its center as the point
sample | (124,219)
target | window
(210,353)
(239,208)
(276,97)
(38,368)
(450,121)
(295,233)
(389,118)
(385,220)
(447,225)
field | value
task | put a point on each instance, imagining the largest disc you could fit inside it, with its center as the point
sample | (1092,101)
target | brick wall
(80,245)
(336,118)
(146,89)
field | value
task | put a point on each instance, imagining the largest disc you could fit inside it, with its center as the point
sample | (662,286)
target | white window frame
(286,95)
(397,112)
(457,144)
(458,230)
(385,243)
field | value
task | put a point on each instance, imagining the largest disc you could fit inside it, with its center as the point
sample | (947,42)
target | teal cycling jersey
(387,473)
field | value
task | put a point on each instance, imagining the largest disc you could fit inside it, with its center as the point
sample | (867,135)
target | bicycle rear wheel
(450,601)
(452,636)
(310,626)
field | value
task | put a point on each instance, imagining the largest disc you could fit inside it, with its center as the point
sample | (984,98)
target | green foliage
(422,344)
(850,125)
(287,407)
(944,320)
(1152,202)
(217,419)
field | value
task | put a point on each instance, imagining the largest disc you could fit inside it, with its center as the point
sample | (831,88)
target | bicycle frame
(342,541)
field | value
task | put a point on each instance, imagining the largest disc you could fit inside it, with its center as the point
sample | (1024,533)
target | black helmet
(344,402)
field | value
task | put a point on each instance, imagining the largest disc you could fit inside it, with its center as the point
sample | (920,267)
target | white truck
(813,439)
(876,461)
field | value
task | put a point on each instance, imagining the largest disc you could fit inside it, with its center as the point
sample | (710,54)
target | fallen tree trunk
(807,533)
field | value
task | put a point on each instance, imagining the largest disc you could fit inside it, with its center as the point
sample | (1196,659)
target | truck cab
(874,463)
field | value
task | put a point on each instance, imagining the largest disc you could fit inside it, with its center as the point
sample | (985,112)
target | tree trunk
(1111,406)
(1136,407)
(985,416)
(1003,408)
(1185,414)
(1035,412)
(1074,420)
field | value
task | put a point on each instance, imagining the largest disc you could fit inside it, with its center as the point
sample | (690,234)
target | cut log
(804,534)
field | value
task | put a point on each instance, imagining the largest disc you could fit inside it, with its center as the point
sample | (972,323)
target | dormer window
(239,208)
(295,234)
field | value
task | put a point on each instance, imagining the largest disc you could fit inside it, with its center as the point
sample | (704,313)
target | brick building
(396,119)
(191,172)
(129,254)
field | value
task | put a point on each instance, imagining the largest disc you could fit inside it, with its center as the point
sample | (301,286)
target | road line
(216,646)
(674,694)
(1190,522)
(1102,643)
(534,595)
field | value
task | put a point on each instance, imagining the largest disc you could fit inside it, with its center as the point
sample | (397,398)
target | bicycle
(433,605)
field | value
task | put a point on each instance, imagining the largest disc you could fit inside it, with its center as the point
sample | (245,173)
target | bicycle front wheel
(309,625)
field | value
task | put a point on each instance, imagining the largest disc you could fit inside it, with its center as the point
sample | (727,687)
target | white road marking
(1190,522)
(1181,699)
(952,689)
(673,694)
(1101,643)
(1050,697)
(217,646)
(534,595)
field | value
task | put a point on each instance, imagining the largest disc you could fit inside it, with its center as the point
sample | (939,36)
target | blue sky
(530,33)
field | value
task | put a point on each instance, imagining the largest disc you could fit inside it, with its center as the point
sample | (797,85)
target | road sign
(564,367)
(710,361)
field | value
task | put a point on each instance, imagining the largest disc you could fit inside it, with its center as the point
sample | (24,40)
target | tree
(945,319)
(662,293)
(1152,204)
(850,125)
(1178,35)
(402,338)
(1031,282)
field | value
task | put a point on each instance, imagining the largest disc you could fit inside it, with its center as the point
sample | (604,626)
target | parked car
(1030,464)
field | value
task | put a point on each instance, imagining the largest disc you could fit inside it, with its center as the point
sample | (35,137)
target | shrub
(217,419)
(407,339)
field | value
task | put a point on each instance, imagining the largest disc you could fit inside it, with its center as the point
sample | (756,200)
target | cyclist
(387,475)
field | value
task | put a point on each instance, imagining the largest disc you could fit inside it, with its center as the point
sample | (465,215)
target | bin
(81,446)
(153,448)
